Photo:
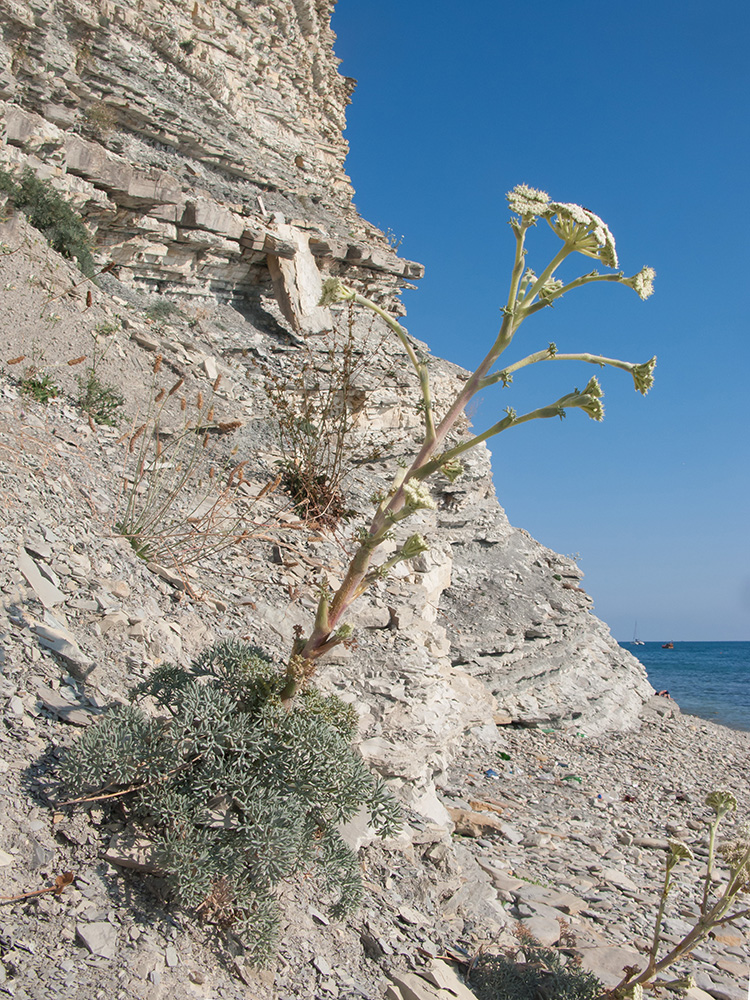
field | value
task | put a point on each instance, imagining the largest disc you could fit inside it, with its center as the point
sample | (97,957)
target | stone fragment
(469,823)
(651,843)
(607,963)
(128,850)
(76,714)
(5,859)
(62,643)
(99,936)
(444,976)
(45,590)
(167,574)
(411,916)
(615,877)
(171,957)
(113,620)
(322,966)
(545,929)
(556,898)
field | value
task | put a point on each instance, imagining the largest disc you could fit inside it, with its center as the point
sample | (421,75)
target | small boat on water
(636,640)
(667,645)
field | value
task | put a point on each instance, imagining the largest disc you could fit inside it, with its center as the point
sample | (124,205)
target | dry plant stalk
(315,408)
(164,518)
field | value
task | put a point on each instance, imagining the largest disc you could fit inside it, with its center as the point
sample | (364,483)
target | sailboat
(636,640)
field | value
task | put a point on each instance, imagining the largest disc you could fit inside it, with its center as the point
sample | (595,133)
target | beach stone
(100,937)
(615,877)
(545,929)
(556,898)
(607,963)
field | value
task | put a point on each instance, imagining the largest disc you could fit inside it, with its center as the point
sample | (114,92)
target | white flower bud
(418,497)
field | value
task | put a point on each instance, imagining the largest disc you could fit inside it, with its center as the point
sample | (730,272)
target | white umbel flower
(589,234)
(528,201)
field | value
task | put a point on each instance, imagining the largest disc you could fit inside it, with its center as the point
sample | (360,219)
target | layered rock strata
(190,136)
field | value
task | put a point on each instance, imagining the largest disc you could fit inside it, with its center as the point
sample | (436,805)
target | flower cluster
(591,399)
(643,282)
(418,497)
(577,226)
(584,231)
(414,546)
(736,854)
(643,375)
(528,202)
(678,851)
(722,802)
(334,290)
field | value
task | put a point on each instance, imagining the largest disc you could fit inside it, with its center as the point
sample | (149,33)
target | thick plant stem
(526,294)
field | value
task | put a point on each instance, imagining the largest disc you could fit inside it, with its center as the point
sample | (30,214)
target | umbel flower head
(736,854)
(643,375)
(680,851)
(591,399)
(643,282)
(584,231)
(414,546)
(721,801)
(418,497)
(528,202)
(334,290)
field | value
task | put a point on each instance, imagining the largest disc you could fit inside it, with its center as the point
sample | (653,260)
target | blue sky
(638,111)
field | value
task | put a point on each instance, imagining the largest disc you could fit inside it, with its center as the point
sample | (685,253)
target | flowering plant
(580,231)
(715,909)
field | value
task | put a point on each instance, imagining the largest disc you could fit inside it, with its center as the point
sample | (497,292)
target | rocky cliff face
(190,134)
(202,143)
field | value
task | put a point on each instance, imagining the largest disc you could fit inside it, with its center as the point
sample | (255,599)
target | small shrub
(537,973)
(101,401)
(97,121)
(177,508)
(50,213)
(316,497)
(163,310)
(239,792)
(39,386)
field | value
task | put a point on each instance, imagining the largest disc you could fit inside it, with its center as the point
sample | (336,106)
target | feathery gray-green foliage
(241,791)
(541,974)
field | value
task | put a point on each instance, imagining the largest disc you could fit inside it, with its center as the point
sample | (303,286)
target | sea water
(707,679)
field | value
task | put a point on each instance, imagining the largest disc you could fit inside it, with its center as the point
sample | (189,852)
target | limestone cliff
(189,134)
(202,143)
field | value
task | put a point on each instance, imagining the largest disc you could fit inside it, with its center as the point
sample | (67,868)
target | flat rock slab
(439,982)
(45,590)
(608,963)
(76,714)
(615,877)
(128,850)
(99,936)
(564,901)
(61,642)
(545,929)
